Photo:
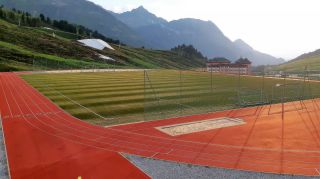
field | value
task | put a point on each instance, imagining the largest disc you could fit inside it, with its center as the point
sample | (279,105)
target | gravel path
(169,170)
(3,159)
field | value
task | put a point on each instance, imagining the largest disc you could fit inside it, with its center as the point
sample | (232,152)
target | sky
(282,28)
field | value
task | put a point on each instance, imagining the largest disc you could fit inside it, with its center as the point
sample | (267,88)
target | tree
(35,22)
(42,18)
(23,18)
(48,20)
(1,13)
(12,16)
(187,51)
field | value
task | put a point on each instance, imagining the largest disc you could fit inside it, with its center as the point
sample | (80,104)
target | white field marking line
(250,148)
(31,115)
(19,107)
(76,102)
(86,71)
(122,154)
(5,146)
(152,156)
(317,171)
(169,151)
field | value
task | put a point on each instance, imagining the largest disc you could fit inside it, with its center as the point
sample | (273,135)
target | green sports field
(111,98)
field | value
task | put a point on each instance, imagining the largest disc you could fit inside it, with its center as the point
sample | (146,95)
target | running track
(43,141)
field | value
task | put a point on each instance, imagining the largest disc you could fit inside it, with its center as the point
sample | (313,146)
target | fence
(50,64)
(170,93)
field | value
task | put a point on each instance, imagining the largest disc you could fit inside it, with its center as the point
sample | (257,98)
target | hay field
(122,97)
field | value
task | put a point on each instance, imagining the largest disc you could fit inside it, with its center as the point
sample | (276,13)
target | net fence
(175,93)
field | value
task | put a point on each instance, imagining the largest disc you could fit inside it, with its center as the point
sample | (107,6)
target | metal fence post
(144,95)
(180,91)
(283,93)
(211,82)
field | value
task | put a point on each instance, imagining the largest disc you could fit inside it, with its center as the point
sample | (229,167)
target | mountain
(139,28)
(29,47)
(247,51)
(310,60)
(81,12)
(139,17)
(203,35)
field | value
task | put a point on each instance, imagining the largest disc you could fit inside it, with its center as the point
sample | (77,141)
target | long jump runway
(43,141)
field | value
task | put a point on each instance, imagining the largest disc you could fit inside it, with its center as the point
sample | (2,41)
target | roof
(95,43)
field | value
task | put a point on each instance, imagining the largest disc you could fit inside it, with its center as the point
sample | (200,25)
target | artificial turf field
(111,98)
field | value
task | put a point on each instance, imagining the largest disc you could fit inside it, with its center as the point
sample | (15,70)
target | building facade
(223,65)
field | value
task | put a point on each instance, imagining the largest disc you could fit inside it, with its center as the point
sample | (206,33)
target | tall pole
(304,81)
(180,91)
(211,80)
(263,84)
(144,95)
(239,100)
(283,93)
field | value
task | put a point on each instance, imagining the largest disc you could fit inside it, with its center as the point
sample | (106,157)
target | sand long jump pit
(199,126)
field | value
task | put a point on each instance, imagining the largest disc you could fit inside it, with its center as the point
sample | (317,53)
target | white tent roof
(96,43)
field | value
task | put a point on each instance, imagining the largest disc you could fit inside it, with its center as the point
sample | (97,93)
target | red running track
(43,141)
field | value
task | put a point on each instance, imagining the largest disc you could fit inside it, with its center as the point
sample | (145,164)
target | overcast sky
(283,28)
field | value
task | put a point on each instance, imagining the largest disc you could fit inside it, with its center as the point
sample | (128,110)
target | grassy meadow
(122,97)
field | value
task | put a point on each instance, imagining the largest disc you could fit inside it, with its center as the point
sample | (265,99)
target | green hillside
(28,48)
(310,60)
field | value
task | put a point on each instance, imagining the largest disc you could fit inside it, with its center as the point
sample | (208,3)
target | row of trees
(188,51)
(26,19)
